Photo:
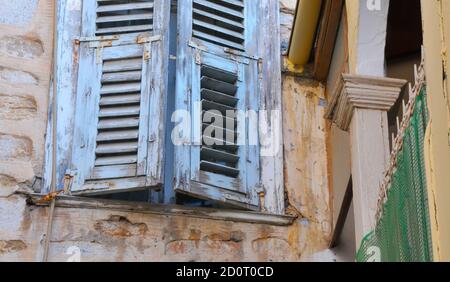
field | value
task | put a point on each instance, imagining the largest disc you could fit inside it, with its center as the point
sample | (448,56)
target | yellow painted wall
(436,15)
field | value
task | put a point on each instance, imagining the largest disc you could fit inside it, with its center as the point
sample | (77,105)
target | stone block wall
(26,43)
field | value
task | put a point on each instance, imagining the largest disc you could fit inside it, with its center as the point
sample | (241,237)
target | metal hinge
(98,41)
(108,41)
(96,38)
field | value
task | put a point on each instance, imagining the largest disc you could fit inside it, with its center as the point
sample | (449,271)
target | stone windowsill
(170,210)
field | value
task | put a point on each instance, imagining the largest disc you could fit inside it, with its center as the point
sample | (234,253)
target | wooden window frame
(272,191)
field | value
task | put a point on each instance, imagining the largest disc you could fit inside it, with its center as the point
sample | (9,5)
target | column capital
(363,92)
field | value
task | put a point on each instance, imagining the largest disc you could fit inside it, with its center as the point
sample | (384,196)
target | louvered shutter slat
(122,65)
(219,169)
(123,7)
(121,76)
(123,29)
(117,148)
(228,100)
(214,155)
(106,112)
(118,160)
(118,123)
(117,135)
(143,16)
(121,88)
(120,100)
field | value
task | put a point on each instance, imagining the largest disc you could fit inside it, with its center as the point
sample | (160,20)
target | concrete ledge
(137,207)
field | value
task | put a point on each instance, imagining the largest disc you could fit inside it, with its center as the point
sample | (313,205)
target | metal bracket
(196,46)
(234,56)
(111,40)
(97,38)
(98,41)
(240,54)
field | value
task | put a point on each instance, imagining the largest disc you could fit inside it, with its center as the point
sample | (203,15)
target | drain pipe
(54,115)
(303,32)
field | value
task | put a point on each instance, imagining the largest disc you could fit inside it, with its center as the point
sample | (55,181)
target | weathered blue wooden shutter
(118,134)
(217,72)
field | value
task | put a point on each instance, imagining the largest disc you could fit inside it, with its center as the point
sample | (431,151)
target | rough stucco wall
(305,133)
(102,235)
(25,63)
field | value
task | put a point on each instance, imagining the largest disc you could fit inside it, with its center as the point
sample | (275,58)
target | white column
(361,107)
(369,139)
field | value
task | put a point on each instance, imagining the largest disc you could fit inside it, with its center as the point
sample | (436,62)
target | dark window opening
(403,50)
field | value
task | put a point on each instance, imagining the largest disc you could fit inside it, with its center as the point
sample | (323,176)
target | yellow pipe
(304,30)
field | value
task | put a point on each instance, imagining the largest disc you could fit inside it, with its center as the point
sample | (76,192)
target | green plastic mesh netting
(403,231)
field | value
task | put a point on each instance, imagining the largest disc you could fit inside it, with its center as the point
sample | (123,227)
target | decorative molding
(362,92)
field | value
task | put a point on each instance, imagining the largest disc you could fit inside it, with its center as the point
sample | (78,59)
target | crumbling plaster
(108,235)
